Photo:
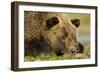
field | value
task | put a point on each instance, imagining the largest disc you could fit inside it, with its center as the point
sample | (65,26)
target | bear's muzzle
(79,48)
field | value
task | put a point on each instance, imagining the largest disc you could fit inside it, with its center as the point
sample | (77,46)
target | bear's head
(61,34)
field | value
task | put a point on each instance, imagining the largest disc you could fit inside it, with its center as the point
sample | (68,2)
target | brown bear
(50,33)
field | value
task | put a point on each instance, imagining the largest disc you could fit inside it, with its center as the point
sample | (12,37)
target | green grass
(43,57)
(48,58)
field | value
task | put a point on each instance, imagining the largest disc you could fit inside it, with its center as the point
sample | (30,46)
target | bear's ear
(51,22)
(76,22)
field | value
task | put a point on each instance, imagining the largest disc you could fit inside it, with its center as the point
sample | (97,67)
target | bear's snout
(79,48)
